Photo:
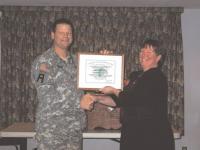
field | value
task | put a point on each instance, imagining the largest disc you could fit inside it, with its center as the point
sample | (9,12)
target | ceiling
(190,4)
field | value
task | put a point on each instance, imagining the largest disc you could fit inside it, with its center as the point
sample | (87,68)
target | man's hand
(44,67)
(87,102)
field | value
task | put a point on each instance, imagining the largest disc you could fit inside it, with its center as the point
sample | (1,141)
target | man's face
(148,58)
(62,37)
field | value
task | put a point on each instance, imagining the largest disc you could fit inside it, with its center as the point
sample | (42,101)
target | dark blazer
(145,124)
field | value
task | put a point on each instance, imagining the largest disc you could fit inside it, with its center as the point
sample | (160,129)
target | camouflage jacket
(58,96)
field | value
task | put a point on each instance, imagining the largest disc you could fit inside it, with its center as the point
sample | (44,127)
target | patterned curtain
(25,33)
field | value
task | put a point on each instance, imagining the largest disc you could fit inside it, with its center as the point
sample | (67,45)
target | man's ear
(158,58)
(52,35)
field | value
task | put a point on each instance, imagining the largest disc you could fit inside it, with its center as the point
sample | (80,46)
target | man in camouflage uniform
(59,118)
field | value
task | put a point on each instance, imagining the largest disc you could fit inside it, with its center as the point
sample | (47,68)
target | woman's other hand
(110,90)
(106,52)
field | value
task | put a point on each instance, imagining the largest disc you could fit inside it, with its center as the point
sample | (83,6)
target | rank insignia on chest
(40,78)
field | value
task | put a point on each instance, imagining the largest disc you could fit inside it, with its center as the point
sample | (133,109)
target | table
(18,133)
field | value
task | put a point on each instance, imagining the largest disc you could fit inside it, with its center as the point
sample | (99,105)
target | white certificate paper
(96,71)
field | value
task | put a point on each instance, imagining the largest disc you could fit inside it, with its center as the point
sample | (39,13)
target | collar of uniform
(68,58)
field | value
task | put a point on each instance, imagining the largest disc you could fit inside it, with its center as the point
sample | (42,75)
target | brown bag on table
(103,117)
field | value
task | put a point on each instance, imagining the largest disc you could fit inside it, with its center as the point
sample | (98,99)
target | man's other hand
(87,102)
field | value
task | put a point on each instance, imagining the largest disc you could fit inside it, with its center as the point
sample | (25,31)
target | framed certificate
(96,71)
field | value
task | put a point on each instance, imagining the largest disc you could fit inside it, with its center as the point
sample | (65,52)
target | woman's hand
(110,90)
(106,100)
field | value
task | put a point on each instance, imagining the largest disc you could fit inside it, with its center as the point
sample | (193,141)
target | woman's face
(148,58)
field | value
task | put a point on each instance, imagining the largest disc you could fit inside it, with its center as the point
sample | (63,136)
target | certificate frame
(96,71)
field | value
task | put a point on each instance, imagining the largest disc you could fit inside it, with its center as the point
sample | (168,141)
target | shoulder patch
(40,78)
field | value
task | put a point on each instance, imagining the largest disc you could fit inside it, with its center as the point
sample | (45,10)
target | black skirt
(146,135)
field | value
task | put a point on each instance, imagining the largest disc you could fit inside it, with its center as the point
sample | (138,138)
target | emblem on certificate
(96,71)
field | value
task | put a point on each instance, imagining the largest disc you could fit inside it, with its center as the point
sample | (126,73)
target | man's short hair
(61,21)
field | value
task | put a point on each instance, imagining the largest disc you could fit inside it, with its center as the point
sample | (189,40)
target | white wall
(191,48)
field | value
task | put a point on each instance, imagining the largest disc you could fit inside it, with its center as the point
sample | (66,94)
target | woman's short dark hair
(157,48)
(61,21)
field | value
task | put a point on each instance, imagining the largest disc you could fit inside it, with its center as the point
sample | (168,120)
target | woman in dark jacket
(145,124)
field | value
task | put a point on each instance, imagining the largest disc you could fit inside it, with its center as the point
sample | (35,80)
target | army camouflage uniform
(59,118)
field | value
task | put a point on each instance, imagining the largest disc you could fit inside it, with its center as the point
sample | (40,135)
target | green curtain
(25,33)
